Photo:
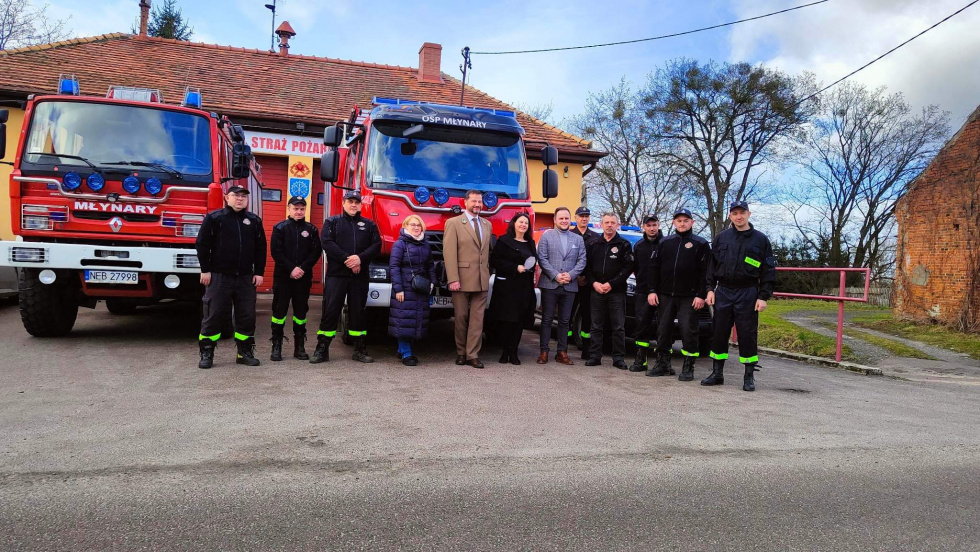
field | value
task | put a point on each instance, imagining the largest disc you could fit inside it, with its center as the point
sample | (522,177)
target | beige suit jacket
(467,258)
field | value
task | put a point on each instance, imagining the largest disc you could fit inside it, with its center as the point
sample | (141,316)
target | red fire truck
(409,157)
(107,195)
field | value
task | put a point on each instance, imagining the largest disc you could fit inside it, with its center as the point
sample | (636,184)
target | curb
(849,366)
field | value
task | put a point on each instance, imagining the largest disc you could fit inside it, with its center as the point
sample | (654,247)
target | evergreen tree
(168,22)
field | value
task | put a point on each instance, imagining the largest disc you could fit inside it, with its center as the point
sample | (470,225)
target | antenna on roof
(272,8)
(463,67)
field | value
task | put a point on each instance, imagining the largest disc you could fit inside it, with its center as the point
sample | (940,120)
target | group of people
(676,277)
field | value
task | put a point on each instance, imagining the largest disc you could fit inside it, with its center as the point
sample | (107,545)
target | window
(271,195)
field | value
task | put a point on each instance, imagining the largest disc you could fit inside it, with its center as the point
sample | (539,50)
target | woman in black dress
(512,302)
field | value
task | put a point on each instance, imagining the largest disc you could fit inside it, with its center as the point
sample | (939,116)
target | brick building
(938,258)
(282,100)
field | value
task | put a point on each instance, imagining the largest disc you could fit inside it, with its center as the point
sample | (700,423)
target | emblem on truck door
(116,224)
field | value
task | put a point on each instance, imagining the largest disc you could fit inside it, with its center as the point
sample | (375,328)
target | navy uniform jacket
(295,244)
(343,236)
(231,242)
(741,260)
(679,265)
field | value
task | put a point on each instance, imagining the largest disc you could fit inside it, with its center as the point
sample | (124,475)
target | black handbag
(420,284)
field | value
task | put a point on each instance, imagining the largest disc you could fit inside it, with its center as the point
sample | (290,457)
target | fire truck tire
(47,310)
(120,306)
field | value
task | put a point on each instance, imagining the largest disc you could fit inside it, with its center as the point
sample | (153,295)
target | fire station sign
(284,144)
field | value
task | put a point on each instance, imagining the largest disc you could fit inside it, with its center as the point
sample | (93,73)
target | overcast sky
(830,39)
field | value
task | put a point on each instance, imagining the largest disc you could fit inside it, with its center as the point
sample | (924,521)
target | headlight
(35,223)
(27,255)
(153,185)
(95,182)
(72,181)
(378,273)
(190,230)
(131,184)
(184,260)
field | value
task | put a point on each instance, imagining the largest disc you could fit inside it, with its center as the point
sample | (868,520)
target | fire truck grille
(128,217)
(435,242)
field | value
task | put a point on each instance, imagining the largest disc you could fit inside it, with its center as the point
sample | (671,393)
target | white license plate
(440,301)
(111,277)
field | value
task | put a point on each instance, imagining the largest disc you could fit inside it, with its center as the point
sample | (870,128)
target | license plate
(111,277)
(440,301)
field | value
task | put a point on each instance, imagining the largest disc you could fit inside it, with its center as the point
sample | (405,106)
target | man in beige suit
(466,250)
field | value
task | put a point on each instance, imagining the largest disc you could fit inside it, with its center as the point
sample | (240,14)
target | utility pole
(465,65)
(272,7)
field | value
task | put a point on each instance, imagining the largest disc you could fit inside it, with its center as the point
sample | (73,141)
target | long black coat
(409,319)
(513,293)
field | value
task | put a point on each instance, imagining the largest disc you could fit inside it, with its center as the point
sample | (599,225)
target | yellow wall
(569,187)
(14,123)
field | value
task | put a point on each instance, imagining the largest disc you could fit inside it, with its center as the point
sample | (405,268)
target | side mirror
(4,114)
(549,184)
(549,156)
(237,133)
(331,138)
(241,154)
(330,166)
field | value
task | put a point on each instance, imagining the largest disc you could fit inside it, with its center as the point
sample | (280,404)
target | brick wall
(939,236)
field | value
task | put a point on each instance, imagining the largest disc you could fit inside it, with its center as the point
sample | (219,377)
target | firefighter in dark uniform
(608,267)
(741,277)
(644,313)
(677,287)
(582,303)
(231,250)
(295,247)
(350,242)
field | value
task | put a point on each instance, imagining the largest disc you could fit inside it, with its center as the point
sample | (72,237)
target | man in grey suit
(561,254)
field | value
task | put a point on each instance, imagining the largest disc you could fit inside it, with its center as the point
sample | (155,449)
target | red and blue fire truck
(107,195)
(410,157)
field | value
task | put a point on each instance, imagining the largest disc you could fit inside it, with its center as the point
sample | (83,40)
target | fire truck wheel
(47,310)
(120,306)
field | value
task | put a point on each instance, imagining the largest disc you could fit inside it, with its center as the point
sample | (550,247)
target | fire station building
(283,101)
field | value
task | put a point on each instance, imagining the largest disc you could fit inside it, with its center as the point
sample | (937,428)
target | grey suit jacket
(555,261)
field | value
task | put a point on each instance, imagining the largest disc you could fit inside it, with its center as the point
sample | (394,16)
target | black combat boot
(662,366)
(640,364)
(207,354)
(299,349)
(322,352)
(246,352)
(360,351)
(717,376)
(687,370)
(586,343)
(748,383)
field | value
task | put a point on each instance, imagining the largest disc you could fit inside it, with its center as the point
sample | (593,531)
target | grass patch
(930,334)
(786,305)
(777,333)
(893,347)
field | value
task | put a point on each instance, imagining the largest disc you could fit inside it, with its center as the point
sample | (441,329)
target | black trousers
(687,319)
(336,291)
(286,290)
(612,304)
(645,316)
(583,300)
(736,307)
(224,292)
(510,337)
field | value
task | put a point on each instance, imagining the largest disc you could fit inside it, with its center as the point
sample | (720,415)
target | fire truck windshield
(101,134)
(458,159)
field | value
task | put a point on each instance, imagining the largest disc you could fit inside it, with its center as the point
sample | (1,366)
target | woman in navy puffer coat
(409,318)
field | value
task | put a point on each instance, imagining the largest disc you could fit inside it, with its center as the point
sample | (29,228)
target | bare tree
(540,111)
(724,121)
(864,149)
(632,179)
(22,23)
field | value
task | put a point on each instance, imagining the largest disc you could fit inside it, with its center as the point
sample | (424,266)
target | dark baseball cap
(352,194)
(650,217)
(238,190)
(296,200)
(683,212)
(583,212)
(738,205)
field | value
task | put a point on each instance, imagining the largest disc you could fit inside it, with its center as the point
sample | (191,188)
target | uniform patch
(305,234)
(615,250)
(612,256)
(688,245)
(360,224)
(246,222)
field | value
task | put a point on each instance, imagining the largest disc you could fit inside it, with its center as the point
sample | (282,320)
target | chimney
(285,32)
(430,59)
(144,16)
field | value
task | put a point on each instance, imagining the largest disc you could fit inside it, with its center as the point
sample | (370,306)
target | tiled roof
(242,82)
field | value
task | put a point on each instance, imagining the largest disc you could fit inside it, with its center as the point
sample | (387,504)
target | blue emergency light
(131,184)
(489,200)
(440,196)
(398,101)
(95,182)
(422,194)
(72,181)
(153,185)
(68,85)
(192,97)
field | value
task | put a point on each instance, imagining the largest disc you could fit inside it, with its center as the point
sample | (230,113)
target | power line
(729,24)
(875,60)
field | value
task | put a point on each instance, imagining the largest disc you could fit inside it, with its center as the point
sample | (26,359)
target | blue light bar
(398,101)
(192,98)
(68,85)
(58,216)
(393,101)
(170,222)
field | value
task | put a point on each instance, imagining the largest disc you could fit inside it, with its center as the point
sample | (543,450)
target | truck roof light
(398,101)
(68,85)
(135,94)
(192,97)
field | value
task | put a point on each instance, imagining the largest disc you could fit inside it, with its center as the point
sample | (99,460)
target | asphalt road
(113,439)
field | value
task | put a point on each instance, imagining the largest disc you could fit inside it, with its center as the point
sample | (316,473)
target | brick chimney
(144,16)
(284,32)
(430,59)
